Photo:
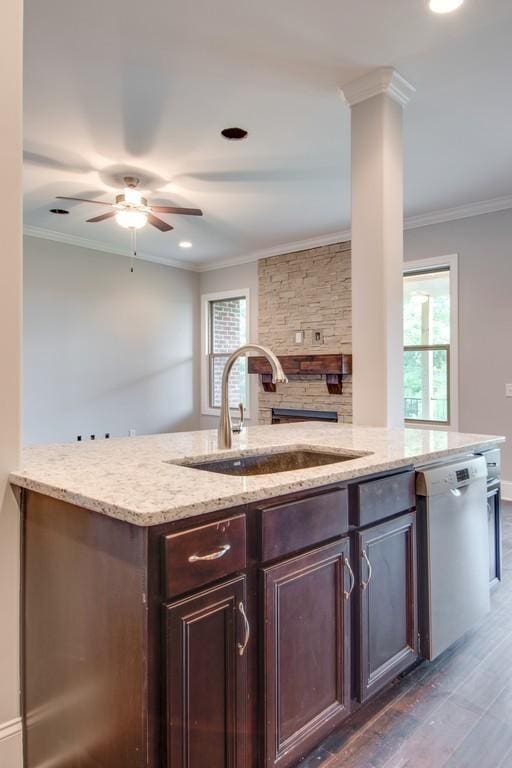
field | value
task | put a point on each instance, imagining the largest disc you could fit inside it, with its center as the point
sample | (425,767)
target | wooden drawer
(378,499)
(287,528)
(200,555)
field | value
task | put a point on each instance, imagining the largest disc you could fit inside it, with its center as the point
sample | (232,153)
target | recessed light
(234,134)
(185,244)
(59,211)
(444,6)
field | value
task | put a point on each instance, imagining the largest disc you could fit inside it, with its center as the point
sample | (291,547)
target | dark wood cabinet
(231,640)
(206,652)
(306,658)
(374,500)
(202,555)
(386,605)
(494,519)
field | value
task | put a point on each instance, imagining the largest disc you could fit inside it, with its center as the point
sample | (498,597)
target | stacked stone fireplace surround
(308,291)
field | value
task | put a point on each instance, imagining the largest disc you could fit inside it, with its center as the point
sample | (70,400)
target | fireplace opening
(290,415)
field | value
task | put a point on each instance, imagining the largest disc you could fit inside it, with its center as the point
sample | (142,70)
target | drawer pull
(218,553)
(346,563)
(364,583)
(243,646)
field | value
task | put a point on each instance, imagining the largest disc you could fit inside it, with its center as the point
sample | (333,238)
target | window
(225,328)
(430,365)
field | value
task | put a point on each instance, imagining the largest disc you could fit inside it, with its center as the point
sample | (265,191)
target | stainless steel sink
(270,463)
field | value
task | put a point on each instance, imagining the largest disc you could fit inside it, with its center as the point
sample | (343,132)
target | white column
(10,353)
(376,102)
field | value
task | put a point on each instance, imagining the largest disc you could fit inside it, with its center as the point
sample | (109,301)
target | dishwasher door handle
(459,492)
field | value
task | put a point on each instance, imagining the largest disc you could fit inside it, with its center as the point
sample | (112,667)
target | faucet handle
(239,427)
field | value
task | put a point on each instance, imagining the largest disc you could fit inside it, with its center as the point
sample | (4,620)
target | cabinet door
(306,650)
(387,602)
(206,639)
(494,519)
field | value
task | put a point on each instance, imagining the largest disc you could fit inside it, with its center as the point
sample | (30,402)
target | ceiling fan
(132,211)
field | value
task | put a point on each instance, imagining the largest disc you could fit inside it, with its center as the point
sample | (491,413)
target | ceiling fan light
(132,196)
(130,219)
(444,6)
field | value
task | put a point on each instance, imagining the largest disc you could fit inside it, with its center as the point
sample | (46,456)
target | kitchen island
(181,617)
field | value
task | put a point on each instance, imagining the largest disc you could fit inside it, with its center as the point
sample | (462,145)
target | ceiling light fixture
(185,244)
(131,218)
(444,6)
(132,196)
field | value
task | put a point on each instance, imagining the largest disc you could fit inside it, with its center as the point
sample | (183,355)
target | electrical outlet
(132,432)
(317,337)
(508,390)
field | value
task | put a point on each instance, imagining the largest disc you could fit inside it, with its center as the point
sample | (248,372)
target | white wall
(228,279)
(106,350)
(484,245)
(10,349)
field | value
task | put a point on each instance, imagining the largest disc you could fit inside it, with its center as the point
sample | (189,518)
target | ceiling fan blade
(159,224)
(176,209)
(102,217)
(82,200)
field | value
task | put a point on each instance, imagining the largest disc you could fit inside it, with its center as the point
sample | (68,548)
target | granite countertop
(131,478)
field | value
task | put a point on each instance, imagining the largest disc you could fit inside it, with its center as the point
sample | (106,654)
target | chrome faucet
(224,436)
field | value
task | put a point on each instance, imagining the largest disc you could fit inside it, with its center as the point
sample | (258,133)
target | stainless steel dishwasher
(453,552)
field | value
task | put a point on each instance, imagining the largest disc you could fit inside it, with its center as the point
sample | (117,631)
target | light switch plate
(299,337)
(508,390)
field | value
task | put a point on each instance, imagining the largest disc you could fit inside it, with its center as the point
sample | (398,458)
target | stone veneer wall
(306,291)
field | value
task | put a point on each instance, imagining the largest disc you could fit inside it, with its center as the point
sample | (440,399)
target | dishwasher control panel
(450,476)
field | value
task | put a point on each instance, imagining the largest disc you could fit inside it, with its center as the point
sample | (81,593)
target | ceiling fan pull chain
(134,247)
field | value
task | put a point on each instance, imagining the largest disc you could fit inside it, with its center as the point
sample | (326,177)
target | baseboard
(11,744)
(506,490)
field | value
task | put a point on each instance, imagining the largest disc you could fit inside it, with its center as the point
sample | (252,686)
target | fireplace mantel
(333,367)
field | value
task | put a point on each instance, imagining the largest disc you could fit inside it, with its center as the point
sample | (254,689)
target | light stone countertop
(131,479)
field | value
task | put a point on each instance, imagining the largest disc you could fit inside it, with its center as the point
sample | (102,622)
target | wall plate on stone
(317,337)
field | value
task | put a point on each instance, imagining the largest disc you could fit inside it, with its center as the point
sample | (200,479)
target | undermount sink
(270,463)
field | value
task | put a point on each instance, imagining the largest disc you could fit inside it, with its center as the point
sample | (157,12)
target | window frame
(442,262)
(206,330)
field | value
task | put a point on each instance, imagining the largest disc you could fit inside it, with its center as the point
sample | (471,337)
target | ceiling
(146,87)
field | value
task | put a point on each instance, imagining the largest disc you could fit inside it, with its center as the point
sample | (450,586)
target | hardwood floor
(455,712)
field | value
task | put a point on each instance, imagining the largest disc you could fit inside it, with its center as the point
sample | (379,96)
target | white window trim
(451,261)
(206,409)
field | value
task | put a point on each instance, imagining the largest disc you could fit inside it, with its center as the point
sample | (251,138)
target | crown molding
(280,250)
(382,80)
(95,245)
(441,216)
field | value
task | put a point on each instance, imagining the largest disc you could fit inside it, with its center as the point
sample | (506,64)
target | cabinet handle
(211,555)
(364,583)
(243,646)
(346,563)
